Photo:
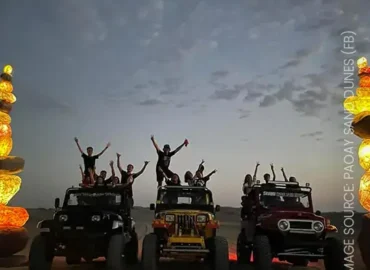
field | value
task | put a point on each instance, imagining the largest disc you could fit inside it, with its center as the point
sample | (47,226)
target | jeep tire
(262,253)
(219,253)
(150,252)
(115,259)
(132,249)
(334,254)
(243,251)
(39,256)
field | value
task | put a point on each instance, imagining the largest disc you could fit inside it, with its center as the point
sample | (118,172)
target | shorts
(160,176)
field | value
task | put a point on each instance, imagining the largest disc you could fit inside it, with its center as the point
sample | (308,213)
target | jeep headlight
(170,218)
(318,226)
(95,218)
(201,219)
(63,218)
(283,225)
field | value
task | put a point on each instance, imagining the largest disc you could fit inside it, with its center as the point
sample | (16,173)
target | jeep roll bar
(283,184)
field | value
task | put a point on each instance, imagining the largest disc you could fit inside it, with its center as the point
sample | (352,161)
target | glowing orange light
(363,92)
(364,81)
(364,191)
(364,154)
(8,69)
(6,87)
(356,105)
(6,145)
(362,62)
(9,186)
(13,216)
(8,97)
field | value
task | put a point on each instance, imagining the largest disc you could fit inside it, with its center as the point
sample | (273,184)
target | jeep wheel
(115,259)
(150,255)
(262,253)
(219,253)
(70,260)
(40,257)
(243,251)
(132,249)
(334,254)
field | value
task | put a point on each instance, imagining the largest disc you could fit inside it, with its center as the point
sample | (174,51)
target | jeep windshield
(194,198)
(287,200)
(92,198)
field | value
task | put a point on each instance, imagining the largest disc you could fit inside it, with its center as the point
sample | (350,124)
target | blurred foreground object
(359,106)
(13,236)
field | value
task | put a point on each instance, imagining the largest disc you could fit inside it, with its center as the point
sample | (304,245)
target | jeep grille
(300,225)
(185,223)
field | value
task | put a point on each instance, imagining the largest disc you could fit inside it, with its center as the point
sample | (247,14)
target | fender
(45,225)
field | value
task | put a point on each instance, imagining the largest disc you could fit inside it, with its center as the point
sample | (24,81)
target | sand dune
(229,218)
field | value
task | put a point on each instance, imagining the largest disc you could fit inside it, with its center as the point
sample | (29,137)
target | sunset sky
(244,81)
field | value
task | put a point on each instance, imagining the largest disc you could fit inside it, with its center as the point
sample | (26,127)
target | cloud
(252,96)
(171,86)
(141,86)
(220,74)
(227,94)
(315,24)
(151,102)
(268,101)
(298,57)
(244,113)
(312,134)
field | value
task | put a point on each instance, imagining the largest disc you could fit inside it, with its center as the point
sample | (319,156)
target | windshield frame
(73,191)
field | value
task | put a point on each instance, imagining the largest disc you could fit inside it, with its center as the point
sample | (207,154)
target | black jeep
(278,221)
(93,222)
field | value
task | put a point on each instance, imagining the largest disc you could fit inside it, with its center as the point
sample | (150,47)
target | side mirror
(152,206)
(218,208)
(318,213)
(57,203)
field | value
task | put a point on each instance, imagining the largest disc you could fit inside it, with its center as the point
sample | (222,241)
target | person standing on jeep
(201,180)
(248,180)
(164,160)
(89,159)
(128,178)
(291,179)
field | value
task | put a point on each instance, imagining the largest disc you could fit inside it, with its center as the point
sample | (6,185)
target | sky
(243,81)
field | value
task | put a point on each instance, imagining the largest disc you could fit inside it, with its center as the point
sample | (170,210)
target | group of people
(249,180)
(163,173)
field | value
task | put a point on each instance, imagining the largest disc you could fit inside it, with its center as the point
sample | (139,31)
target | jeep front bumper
(185,244)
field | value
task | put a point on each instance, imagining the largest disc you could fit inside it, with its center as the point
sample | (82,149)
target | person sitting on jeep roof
(173,181)
(164,159)
(267,176)
(86,180)
(201,180)
(89,159)
(128,178)
(248,180)
(291,179)
(189,178)
(113,174)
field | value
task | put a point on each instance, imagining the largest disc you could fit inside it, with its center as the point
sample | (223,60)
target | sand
(229,228)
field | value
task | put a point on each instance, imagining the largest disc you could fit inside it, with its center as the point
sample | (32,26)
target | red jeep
(278,221)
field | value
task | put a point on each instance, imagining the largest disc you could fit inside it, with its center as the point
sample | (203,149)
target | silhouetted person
(164,159)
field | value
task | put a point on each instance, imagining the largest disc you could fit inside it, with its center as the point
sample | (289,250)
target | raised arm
(273,172)
(284,175)
(255,172)
(119,162)
(209,175)
(155,144)
(78,146)
(201,164)
(142,170)
(105,149)
(178,148)
(111,163)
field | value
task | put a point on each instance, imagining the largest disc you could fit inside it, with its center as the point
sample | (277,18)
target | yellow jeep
(184,227)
